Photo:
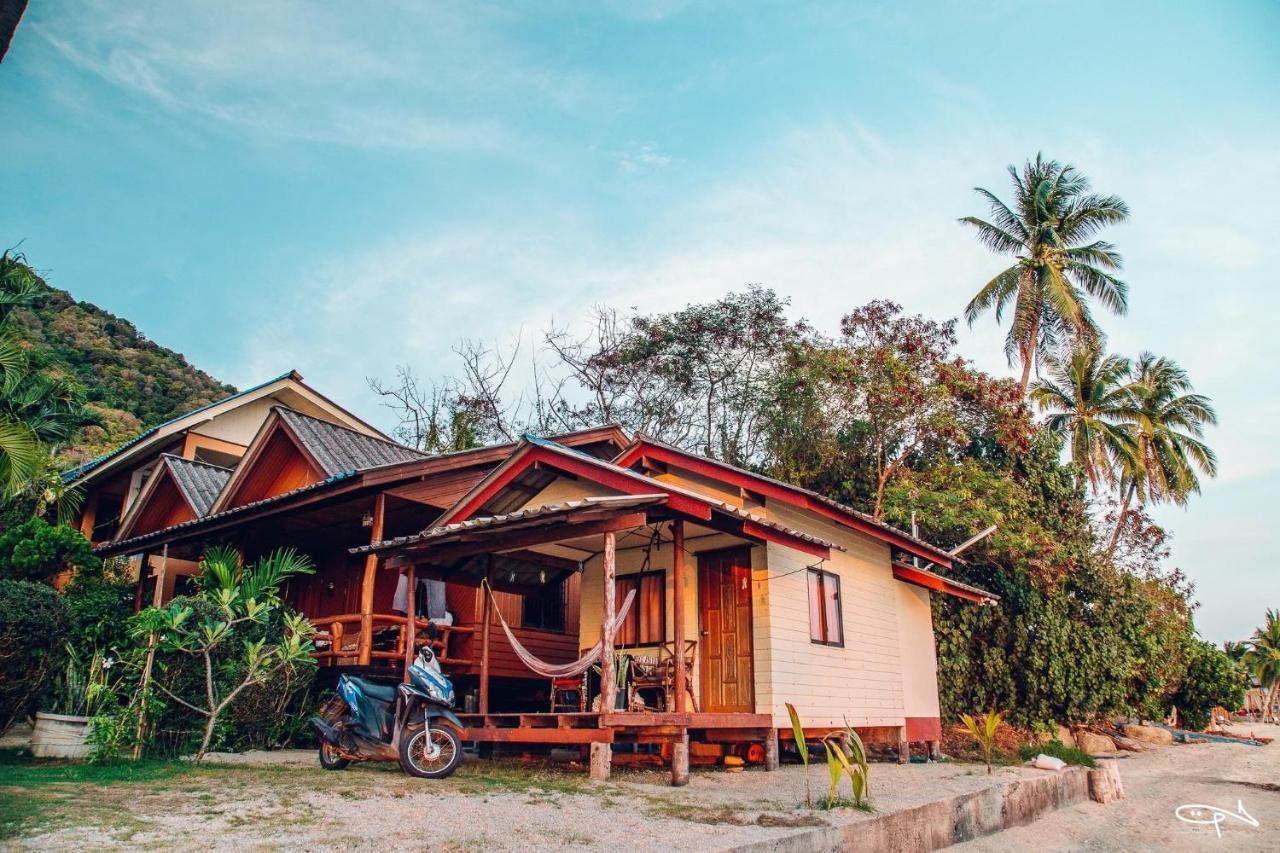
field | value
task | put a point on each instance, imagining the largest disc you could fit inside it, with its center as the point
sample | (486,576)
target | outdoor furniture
(657,674)
(569,694)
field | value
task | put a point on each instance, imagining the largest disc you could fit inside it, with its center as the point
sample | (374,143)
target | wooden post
(161,576)
(602,753)
(486,614)
(680,760)
(88,517)
(367,585)
(138,592)
(410,623)
(677,580)
(771,750)
(904,746)
(935,750)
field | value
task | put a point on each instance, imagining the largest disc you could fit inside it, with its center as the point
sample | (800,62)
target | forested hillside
(129,382)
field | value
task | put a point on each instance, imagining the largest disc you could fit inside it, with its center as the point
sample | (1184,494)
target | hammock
(562,670)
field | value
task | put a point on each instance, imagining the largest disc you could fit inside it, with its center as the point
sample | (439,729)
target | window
(825,625)
(545,610)
(646,622)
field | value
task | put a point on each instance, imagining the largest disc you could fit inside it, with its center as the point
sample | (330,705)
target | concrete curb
(941,823)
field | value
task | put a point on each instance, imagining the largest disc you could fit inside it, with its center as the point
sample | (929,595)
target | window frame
(633,617)
(546,605)
(823,629)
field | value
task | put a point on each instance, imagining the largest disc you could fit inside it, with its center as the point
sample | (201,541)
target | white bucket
(59,736)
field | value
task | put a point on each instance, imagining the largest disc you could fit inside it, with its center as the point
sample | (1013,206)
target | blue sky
(275,185)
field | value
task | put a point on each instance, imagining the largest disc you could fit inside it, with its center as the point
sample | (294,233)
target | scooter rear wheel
(430,753)
(330,759)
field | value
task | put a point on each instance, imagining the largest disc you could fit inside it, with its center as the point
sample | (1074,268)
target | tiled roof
(339,449)
(79,471)
(199,481)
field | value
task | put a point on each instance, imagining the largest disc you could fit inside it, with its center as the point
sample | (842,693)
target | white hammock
(562,670)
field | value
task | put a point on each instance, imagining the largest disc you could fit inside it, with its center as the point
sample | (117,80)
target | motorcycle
(412,723)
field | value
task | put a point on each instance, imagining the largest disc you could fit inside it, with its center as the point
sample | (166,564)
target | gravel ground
(283,801)
(1155,784)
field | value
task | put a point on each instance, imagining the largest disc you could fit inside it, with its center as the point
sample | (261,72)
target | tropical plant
(984,732)
(1211,680)
(1168,421)
(803,748)
(847,755)
(1087,398)
(84,684)
(1263,659)
(241,596)
(38,551)
(1050,230)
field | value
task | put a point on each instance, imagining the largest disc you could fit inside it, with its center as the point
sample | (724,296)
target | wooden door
(724,623)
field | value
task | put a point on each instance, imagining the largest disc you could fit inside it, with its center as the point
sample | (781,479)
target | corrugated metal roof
(200,482)
(340,449)
(543,512)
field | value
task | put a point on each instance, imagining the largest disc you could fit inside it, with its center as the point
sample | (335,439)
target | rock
(1128,744)
(1104,783)
(1149,734)
(1095,744)
(1065,735)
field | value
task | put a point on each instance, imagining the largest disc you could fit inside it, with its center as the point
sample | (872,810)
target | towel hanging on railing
(563,670)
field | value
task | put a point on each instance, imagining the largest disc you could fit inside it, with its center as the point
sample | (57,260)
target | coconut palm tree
(1263,659)
(1087,396)
(1168,423)
(1050,231)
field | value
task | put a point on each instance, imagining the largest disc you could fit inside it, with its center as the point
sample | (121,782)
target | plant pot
(620,700)
(59,736)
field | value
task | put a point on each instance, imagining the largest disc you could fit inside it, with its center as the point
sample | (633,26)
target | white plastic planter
(59,736)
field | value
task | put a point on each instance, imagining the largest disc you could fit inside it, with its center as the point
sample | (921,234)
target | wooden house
(747,593)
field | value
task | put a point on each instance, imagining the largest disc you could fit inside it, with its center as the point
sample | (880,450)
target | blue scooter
(412,723)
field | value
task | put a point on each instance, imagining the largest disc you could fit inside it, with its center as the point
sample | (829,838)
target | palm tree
(1050,231)
(1168,423)
(1087,396)
(1263,659)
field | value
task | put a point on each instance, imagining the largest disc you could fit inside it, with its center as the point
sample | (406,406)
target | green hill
(130,383)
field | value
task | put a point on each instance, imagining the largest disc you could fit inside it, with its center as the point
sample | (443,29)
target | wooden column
(680,760)
(486,615)
(771,750)
(88,516)
(157,599)
(142,584)
(411,621)
(367,584)
(677,580)
(904,746)
(602,753)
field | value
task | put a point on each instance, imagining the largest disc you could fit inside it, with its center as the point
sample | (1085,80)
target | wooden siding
(165,506)
(919,654)
(441,490)
(279,468)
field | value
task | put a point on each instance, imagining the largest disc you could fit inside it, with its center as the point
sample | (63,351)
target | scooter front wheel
(430,753)
(330,759)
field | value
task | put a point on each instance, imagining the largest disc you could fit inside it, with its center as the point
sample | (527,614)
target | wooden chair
(658,674)
(569,695)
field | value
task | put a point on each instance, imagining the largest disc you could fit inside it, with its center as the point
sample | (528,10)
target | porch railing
(340,640)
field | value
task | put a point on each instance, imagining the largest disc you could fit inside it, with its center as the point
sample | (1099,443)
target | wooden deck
(614,727)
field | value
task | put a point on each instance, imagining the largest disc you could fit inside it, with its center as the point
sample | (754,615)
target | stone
(1065,735)
(1095,744)
(1104,783)
(1149,734)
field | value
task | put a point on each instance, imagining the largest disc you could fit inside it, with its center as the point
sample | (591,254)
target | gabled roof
(197,484)
(200,482)
(338,449)
(137,445)
(645,447)
(329,449)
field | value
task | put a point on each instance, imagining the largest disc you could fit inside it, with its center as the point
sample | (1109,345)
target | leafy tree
(1050,230)
(1087,397)
(1263,658)
(1212,679)
(38,551)
(237,598)
(1168,419)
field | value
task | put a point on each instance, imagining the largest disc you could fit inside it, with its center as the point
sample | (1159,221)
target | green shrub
(33,623)
(39,551)
(1211,679)
(1058,749)
(98,612)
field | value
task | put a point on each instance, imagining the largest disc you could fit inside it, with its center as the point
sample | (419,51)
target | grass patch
(19,771)
(1058,749)
(826,805)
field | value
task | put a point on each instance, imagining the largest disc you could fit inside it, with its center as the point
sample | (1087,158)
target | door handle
(704,633)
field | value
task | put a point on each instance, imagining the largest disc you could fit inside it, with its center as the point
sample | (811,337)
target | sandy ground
(286,802)
(1155,784)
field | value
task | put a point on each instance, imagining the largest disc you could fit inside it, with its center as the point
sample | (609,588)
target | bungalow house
(734,593)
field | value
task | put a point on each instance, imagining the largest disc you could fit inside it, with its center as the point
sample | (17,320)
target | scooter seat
(381,692)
